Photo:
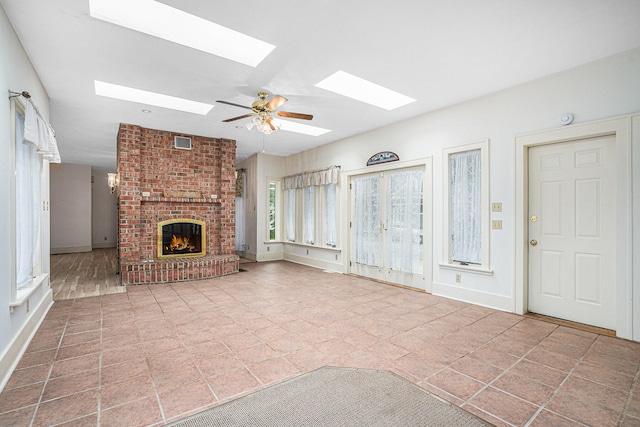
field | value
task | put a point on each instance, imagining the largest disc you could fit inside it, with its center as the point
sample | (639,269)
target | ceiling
(440,52)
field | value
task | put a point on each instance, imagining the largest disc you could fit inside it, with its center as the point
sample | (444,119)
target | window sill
(467,268)
(25,292)
(306,245)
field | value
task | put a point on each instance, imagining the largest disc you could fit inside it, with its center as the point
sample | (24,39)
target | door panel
(572,231)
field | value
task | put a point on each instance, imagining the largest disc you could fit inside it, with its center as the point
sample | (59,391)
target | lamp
(113,180)
(264,123)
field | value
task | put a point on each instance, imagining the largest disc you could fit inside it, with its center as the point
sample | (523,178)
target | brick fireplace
(161,184)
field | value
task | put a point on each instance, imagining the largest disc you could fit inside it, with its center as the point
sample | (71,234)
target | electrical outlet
(458,278)
(336,257)
(496,207)
(496,224)
(268,248)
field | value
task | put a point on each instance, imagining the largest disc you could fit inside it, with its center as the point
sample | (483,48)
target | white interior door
(572,229)
(386,228)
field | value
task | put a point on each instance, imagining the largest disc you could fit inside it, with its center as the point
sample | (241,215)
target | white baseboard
(269,256)
(71,250)
(485,299)
(103,245)
(313,262)
(18,346)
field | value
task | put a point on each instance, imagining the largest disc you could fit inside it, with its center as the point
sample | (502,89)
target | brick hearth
(151,168)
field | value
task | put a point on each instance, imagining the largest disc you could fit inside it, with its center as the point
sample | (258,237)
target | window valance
(326,176)
(39,133)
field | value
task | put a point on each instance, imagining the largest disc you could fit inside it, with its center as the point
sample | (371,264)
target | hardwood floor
(85,274)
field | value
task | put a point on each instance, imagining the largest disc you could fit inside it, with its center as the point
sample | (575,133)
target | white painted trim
(18,346)
(466,269)
(621,128)
(313,262)
(24,293)
(485,299)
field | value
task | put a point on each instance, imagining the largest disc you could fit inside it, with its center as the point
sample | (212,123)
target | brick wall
(148,166)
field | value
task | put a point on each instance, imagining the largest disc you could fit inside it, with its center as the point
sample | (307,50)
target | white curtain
(366,245)
(330,213)
(290,214)
(240,243)
(309,217)
(404,228)
(27,205)
(464,207)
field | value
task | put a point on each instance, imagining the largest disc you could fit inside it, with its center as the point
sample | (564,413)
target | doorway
(618,129)
(572,231)
(386,227)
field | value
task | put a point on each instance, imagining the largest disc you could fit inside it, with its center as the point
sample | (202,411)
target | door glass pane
(404,224)
(366,221)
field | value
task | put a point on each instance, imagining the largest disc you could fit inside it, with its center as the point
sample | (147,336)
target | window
(273,227)
(330,210)
(466,222)
(290,213)
(311,207)
(309,214)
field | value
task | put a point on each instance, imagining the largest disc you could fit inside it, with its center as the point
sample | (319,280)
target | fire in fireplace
(181,238)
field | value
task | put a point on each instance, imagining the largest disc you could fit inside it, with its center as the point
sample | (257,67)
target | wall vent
(182,142)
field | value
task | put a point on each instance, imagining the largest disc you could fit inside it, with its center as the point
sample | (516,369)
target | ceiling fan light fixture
(363,90)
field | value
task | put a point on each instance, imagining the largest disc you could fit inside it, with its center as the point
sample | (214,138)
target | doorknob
(533,242)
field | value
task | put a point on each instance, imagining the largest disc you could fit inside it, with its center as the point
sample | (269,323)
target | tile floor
(158,353)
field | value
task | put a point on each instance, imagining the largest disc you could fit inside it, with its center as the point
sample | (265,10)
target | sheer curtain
(367,230)
(290,214)
(404,213)
(464,207)
(27,205)
(329,225)
(309,217)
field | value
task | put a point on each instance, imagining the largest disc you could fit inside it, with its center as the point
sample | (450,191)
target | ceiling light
(150,98)
(363,90)
(159,20)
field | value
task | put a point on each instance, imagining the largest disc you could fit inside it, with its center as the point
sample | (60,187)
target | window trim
(447,262)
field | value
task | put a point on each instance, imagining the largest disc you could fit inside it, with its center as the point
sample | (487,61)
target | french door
(386,226)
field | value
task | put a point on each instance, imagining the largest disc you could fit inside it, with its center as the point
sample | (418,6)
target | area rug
(332,396)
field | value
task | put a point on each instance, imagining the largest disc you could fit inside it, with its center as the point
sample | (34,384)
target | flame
(180,243)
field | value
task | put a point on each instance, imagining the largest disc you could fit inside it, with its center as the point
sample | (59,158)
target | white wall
(70,208)
(17,327)
(104,211)
(603,89)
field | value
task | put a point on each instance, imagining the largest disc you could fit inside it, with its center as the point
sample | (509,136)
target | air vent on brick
(182,142)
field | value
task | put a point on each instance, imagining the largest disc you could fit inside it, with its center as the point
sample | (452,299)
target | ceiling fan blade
(238,118)
(275,102)
(270,121)
(295,115)
(235,105)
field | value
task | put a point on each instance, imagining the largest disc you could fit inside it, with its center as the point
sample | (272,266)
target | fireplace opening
(181,238)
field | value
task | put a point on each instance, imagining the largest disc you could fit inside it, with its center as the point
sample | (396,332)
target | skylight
(159,20)
(150,98)
(301,128)
(363,90)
